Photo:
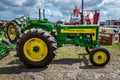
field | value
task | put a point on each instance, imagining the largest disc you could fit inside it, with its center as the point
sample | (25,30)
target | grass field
(71,51)
(66,66)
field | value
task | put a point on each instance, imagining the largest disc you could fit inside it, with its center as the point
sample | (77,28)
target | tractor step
(83,58)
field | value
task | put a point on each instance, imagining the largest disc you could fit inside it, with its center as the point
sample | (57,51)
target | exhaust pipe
(43,13)
(82,16)
(39,14)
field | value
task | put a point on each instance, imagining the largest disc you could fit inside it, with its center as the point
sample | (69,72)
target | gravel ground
(62,68)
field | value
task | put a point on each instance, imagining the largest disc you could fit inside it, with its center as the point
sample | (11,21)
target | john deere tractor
(19,25)
(37,43)
(14,27)
(5,45)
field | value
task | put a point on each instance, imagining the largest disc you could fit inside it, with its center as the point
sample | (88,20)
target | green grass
(71,51)
(118,45)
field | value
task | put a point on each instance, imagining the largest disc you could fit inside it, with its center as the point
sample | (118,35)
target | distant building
(102,23)
(107,22)
(117,23)
(110,22)
(59,22)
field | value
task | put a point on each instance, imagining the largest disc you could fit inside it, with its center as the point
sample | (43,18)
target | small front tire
(99,57)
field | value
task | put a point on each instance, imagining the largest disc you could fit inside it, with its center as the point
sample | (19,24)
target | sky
(57,9)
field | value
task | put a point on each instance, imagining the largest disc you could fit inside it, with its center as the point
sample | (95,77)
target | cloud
(19,7)
(104,2)
(106,7)
(57,9)
(3,7)
(53,13)
(13,2)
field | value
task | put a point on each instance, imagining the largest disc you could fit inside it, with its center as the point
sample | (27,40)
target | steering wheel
(27,16)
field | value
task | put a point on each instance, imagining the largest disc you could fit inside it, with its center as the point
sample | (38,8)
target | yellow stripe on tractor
(80,31)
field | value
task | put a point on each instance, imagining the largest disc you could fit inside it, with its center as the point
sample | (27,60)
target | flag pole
(82,16)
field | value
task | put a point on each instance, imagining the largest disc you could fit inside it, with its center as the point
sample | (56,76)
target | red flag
(87,19)
(96,17)
(76,11)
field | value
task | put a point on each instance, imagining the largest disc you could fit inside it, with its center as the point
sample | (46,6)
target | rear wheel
(36,48)
(13,32)
(99,57)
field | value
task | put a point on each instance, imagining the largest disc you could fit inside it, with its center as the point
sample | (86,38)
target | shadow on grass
(81,58)
(17,61)
(91,67)
(118,55)
(68,61)
(19,68)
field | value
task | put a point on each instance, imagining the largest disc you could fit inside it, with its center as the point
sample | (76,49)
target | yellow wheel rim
(11,32)
(35,49)
(99,57)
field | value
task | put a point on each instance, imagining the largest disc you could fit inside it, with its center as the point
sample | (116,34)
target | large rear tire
(99,57)
(36,48)
(13,32)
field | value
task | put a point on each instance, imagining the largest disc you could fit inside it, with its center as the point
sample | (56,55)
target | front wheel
(36,48)
(99,57)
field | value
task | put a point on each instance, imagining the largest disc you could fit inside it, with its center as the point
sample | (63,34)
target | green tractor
(37,47)
(14,28)
(5,48)
(19,25)
(38,42)
(5,45)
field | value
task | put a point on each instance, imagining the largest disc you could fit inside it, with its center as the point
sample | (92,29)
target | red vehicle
(3,23)
(95,17)
(77,17)
(76,20)
(73,21)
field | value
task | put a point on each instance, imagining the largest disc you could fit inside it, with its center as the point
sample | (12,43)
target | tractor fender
(44,27)
(47,26)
